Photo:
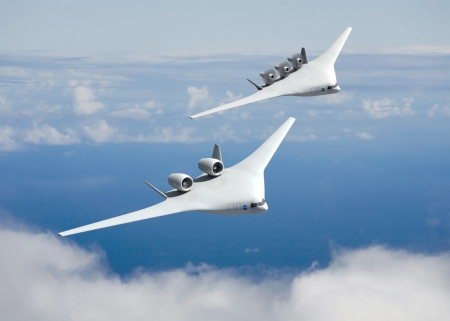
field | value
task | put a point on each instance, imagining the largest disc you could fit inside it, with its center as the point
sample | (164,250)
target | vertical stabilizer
(216,153)
(330,56)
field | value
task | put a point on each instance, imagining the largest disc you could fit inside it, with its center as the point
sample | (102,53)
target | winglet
(304,56)
(216,153)
(330,56)
(156,190)
(256,85)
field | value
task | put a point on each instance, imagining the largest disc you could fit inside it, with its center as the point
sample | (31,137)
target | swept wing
(167,207)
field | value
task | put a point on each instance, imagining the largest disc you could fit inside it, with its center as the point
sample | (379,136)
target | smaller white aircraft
(232,191)
(298,77)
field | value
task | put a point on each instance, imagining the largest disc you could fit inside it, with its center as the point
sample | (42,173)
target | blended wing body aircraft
(234,191)
(300,77)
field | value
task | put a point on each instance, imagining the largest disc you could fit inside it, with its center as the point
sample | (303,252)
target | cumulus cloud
(53,279)
(84,101)
(100,132)
(438,109)
(7,140)
(388,107)
(48,135)
(198,96)
(230,98)
(364,136)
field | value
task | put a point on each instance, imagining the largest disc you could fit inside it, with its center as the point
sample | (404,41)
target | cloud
(47,135)
(7,140)
(248,250)
(100,132)
(364,136)
(84,101)
(53,279)
(438,109)
(198,97)
(230,98)
(138,111)
(388,107)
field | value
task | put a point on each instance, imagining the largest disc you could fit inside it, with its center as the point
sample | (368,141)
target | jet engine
(181,182)
(269,76)
(283,68)
(296,61)
(211,166)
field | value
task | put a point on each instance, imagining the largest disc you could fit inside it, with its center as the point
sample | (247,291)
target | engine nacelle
(296,60)
(181,182)
(284,69)
(269,76)
(211,166)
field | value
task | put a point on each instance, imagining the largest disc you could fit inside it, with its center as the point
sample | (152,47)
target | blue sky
(94,98)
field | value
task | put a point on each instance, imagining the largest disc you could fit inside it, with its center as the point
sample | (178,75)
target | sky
(95,98)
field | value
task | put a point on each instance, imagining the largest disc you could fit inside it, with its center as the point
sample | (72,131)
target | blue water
(321,195)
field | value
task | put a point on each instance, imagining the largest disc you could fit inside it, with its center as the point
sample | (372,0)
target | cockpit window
(260,203)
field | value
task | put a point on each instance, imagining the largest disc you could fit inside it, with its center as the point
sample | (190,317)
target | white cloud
(248,250)
(388,107)
(230,98)
(312,112)
(438,109)
(47,135)
(84,101)
(364,136)
(7,140)
(198,96)
(101,132)
(53,279)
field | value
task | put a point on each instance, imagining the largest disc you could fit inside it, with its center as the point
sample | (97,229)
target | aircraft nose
(265,207)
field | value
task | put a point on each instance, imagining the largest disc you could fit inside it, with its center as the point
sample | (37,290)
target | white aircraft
(302,78)
(232,191)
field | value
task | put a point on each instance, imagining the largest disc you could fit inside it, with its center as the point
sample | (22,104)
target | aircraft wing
(259,159)
(169,206)
(258,96)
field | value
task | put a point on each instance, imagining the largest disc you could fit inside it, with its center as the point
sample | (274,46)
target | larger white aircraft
(298,77)
(232,191)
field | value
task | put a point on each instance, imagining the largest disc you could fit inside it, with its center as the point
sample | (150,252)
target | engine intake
(181,182)
(284,69)
(269,76)
(211,166)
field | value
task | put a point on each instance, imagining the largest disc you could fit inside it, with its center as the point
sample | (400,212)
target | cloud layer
(45,278)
